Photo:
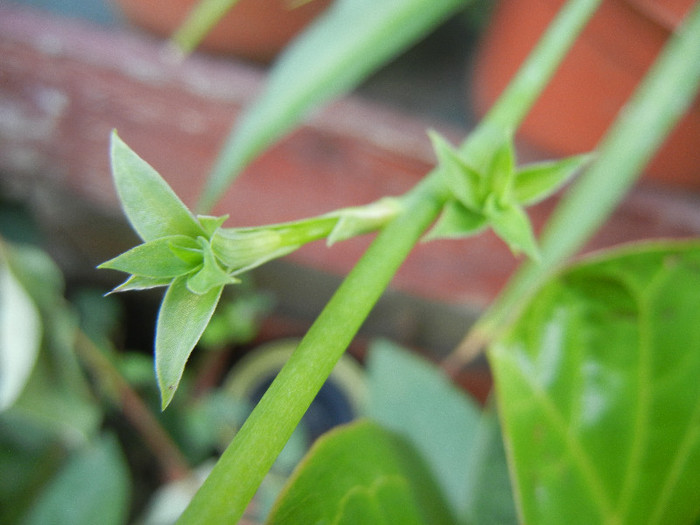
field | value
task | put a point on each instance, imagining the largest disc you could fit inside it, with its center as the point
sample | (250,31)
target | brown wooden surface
(65,84)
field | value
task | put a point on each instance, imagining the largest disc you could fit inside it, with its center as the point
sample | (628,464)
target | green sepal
(140,282)
(456,222)
(535,182)
(512,225)
(153,259)
(242,250)
(187,249)
(211,223)
(150,204)
(182,318)
(464,182)
(210,275)
(501,172)
(359,220)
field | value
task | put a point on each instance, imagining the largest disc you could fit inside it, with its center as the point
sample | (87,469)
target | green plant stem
(523,90)
(235,478)
(117,389)
(639,131)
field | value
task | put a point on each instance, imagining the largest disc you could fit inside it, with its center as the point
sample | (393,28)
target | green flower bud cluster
(488,190)
(195,256)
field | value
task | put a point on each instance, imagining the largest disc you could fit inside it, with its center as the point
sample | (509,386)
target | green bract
(195,257)
(488,190)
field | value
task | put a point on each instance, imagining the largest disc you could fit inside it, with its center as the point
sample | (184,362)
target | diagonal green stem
(233,482)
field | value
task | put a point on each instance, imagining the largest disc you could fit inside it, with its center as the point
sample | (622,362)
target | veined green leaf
(155,258)
(361,473)
(149,203)
(456,222)
(341,48)
(599,392)
(182,318)
(535,182)
(512,225)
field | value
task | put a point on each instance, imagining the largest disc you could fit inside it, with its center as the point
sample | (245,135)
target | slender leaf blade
(598,389)
(150,204)
(360,473)
(155,258)
(182,318)
(341,48)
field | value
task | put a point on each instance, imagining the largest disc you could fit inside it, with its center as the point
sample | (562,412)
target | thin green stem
(235,478)
(656,106)
(521,93)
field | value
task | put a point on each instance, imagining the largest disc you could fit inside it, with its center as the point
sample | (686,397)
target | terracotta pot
(253,29)
(594,81)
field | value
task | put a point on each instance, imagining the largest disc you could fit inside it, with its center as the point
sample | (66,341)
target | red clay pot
(253,29)
(594,81)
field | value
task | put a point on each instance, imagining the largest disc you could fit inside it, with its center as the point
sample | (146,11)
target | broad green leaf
(93,487)
(512,225)
(201,19)
(360,473)
(456,222)
(464,183)
(20,334)
(489,495)
(155,258)
(339,50)
(182,318)
(149,203)
(535,182)
(599,392)
(416,400)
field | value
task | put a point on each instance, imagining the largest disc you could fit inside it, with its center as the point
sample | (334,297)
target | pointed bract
(535,182)
(182,318)
(151,206)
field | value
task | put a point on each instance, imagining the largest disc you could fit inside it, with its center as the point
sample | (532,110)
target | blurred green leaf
(345,44)
(535,182)
(201,19)
(360,473)
(456,222)
(93,487)
(182,318)
(20,334)
(511,223)
(410,396)
(151,206)
(599,392)
(489,495)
